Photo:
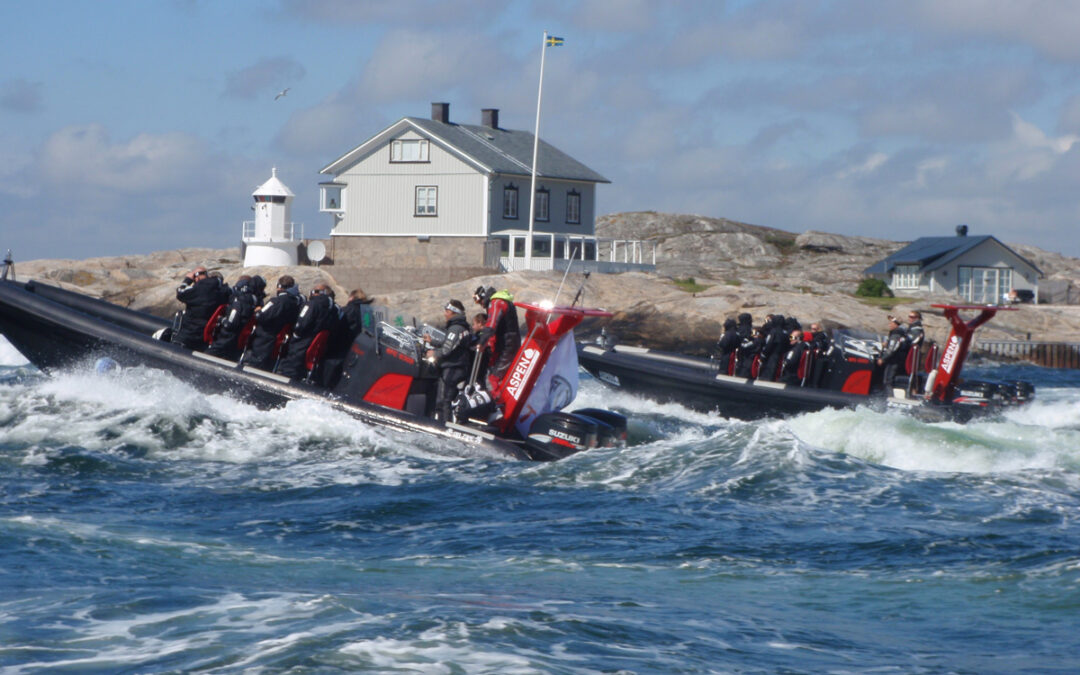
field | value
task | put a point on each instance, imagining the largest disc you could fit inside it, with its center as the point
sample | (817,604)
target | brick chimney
(440,112)
(490,117)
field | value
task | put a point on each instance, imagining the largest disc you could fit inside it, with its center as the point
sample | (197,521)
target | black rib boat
(390,383)
(845,376)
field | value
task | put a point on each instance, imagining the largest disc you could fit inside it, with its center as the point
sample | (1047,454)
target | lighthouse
(271,239)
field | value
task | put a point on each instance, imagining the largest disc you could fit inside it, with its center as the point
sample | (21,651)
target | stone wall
(388,264)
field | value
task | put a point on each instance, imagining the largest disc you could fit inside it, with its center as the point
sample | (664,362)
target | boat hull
(57,329)
(696,383)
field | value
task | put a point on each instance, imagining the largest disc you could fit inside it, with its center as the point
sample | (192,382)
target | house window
(409,150)
(905,276)
(510,202)
(573,207)
(984,285)
(427,200)
(333,198)
(543,201)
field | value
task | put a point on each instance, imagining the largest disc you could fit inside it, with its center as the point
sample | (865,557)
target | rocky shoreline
(707,269)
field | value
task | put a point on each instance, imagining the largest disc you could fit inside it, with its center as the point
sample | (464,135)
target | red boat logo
(521,372)
(950,354)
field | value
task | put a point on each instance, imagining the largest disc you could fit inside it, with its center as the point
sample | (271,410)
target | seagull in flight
(282,93)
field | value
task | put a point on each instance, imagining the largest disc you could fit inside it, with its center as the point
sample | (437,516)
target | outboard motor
(977,392)
(556,435)
(611,426)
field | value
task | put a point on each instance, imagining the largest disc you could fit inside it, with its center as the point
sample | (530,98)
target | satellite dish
(316,251)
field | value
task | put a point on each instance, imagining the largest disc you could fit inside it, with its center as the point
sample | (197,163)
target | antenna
(9,264)
(569,264)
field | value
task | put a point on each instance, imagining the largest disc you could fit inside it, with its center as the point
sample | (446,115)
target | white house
(434,192)
(980,269)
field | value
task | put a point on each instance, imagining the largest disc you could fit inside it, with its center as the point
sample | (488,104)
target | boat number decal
(950,354)
(609,378)
(522,368)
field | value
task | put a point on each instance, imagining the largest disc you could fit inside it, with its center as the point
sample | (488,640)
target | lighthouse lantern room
(272,238)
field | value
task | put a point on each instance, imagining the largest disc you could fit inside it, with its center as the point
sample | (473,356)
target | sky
(129,126)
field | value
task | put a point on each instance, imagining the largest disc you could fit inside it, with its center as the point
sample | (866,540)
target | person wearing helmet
(726,346)
(247,294)
(501,334)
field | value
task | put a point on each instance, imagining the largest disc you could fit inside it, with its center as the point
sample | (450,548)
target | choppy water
(146,527)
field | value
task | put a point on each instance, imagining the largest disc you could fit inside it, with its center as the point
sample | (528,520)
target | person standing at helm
(501,333)
(452,355)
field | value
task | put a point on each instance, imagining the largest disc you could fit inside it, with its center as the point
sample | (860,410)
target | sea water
(146,526)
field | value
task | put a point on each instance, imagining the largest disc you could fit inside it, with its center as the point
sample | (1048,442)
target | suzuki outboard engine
(556,435)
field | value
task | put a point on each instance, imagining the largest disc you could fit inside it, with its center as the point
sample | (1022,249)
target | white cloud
(1050,26)
(86,156)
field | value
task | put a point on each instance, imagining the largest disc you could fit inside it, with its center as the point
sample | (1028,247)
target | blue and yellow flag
(554,41)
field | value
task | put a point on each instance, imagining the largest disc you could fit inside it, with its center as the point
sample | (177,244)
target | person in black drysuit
(789,371)
(247,294)
(201,295)
(319,313)
(894,352)
(453,356)
(773,347)
(278,312)
(355,317)
(725,348)
(748,349)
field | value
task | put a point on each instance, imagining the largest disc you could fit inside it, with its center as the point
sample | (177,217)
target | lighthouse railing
(292,232)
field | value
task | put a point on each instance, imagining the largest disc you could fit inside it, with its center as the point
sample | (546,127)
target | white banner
(555,388)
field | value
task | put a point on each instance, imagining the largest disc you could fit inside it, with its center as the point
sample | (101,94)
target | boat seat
(245,334)
(212,325)
(315,351)
(731,362)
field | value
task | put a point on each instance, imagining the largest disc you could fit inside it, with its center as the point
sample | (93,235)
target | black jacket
(454,351)
(727,345)
(200,299)
(242,306)
(278,312)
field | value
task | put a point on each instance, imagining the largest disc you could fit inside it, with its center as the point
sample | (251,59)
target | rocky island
(706,269)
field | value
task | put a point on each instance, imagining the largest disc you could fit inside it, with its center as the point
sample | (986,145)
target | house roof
(931,253)
(501,151)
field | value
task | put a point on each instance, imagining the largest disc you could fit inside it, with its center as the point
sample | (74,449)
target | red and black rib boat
(385,380)
(844,375)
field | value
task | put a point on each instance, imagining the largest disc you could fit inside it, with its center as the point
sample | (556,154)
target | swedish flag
(554,41)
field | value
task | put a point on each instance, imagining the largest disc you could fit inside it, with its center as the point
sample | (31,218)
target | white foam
(9,356)
(903,442)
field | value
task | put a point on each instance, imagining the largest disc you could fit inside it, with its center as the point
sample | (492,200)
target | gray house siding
(558,192)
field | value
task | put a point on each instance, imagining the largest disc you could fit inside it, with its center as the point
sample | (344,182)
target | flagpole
(536,149)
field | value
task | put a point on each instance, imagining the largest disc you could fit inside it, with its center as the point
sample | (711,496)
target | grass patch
(690,285)
(733,282)
(785,244)
(887,303)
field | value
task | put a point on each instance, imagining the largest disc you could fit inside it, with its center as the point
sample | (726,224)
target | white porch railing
(554,251)
(291,230)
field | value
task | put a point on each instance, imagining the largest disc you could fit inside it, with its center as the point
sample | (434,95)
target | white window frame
(325,192)
(905,277)
(409,150)
(426,204)
(510,202)
(543,205)
(573,207)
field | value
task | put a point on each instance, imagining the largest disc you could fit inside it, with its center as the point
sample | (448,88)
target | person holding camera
(201,295)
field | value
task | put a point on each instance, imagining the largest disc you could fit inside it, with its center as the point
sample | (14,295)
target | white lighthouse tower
(271,238)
